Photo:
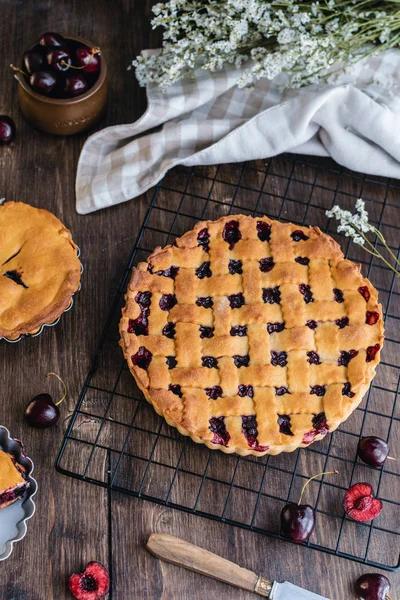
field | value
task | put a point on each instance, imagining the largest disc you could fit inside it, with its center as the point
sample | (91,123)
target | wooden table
(72,524)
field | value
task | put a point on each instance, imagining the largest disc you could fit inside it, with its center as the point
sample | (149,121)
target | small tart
(39,269)
(12,480)
(252,336)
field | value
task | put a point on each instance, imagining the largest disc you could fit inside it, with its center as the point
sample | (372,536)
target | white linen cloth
(209,120)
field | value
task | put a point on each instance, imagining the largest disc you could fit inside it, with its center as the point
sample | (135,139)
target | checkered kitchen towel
(209,120)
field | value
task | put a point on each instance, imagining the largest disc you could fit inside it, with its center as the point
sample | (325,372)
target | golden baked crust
(39,268)
(250,335)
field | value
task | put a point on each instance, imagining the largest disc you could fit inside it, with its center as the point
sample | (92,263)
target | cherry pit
(59,67)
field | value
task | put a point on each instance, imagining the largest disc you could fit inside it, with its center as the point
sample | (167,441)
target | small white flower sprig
(357,226)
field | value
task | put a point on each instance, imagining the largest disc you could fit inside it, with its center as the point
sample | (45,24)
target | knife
(181,553)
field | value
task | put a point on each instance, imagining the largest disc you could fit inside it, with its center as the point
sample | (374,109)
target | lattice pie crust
(250,335)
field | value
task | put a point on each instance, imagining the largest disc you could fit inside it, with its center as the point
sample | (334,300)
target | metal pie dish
(13,518)
(42,327)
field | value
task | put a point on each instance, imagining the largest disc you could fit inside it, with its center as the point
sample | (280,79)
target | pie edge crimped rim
(141,376)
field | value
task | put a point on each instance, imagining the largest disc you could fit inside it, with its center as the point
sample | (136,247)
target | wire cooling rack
(116,440)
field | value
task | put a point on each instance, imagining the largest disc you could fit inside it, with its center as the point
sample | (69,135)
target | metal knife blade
(288,591)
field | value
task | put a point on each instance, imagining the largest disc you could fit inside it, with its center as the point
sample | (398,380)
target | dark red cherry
(298,520)
(372,586)
(59,60)
(373,451)
(34,60)
(42,412)
(7,130)
(75,85)
(88,60)
(52,40)
(43,82)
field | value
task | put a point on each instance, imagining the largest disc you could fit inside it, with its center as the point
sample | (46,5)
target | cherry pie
(12,480)
(39,269)
(252,336)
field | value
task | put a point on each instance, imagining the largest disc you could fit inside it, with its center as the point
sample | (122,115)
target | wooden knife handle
(181,553)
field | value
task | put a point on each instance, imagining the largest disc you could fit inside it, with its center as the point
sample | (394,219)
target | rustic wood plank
(71,525)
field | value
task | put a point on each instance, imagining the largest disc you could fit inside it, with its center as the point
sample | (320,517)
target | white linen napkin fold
(209,120)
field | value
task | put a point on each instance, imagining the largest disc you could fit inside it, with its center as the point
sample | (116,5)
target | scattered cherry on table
(373,451)
(298,520)
(41,411)
(92,584)
(373,586)
(7,130)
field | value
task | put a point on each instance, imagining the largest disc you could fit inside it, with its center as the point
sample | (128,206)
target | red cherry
(43,82)
(373,451)
(88,60)
(59,60)
(41,411)
(75,85)
(34,59)
(7,130)
(373,586)
(52,40)
(92,584)
(298,520)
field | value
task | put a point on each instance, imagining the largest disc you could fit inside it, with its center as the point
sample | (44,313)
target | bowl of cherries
(62,84)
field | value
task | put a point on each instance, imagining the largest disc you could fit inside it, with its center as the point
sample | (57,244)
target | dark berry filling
(241,361)
(298,235)
(245,390)
(281,391)
(203,239)
(143,299)
(140,325)
(263,231)
(302,260)
(372,351)
(249,428)
(312,324)
(235,266)
(318,390)
(209,361)
(313,358)
(231,233)
(206,332)
(372,317)
(171,362)
(203,270)
(171,272)
(214,392)
(15,277)
(266,264)
(320,428)
(364,291)
(169,330)
(278,359)
(142,358)
(240,330)
(284,424)
(275,327)
(307,293)
(167,301)
(338,295)
(218,428)
(175,388)
(346,391)
(345,357)
(343,322)
(205,301)
(11,495)
(271,295)
(236,300)
(150,268)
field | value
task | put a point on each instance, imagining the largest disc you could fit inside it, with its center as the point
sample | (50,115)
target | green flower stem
(374,251)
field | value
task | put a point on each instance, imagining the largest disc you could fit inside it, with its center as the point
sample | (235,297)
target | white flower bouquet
(306,40)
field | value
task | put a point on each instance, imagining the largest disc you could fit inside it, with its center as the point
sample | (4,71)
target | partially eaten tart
(12,480)
(250,335)
(39,269)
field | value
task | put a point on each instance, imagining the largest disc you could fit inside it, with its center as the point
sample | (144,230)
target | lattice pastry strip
(250,335)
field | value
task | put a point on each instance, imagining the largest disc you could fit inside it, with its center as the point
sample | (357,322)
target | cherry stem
(388,597)
(391,458)
(315,476)
(63,383)
(93,51)
(18,70)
